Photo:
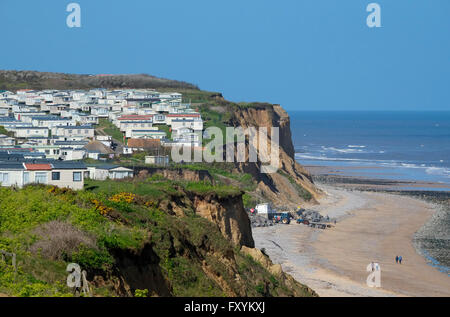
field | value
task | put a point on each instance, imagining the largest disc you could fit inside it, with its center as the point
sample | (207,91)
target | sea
(406,146)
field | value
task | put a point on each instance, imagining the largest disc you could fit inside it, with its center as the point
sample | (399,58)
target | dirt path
(119,148)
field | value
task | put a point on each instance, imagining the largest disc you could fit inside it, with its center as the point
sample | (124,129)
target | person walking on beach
(396,259)
(400,259)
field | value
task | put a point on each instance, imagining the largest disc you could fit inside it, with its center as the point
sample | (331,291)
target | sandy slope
(372,227)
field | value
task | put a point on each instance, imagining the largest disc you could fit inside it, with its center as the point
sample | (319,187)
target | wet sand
(371,227)
(342,176)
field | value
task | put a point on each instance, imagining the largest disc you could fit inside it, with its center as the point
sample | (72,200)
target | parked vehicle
(303,221)
(265,210)
(283,217)
(271,214)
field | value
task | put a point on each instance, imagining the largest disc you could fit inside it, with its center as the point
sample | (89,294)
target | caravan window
(4,178)
(26,177)
(77,176)
(40,177)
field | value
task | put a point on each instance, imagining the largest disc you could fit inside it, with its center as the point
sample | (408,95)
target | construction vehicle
(283,217)
(319,225)
(313,219)
(266,211)
(303,221)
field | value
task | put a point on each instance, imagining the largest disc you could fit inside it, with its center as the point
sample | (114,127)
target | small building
(127,150)
(191,123)
(7,141)
(99,147)
(146,134)
(68,174)
(102,172)
(50,151)
(72,154)
(26,132)
(61,174)
(134,125)
(74,132)
(143,144)
(51,121)
(106,140)
(161,160)
(11,174)
(37,173)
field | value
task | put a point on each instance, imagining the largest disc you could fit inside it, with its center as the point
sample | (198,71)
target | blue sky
(303,54)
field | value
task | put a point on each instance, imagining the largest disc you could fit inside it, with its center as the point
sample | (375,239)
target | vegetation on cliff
(134,237)
(16,80)
(156,235)
(292,186)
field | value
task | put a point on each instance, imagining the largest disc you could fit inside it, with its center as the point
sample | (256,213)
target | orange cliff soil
(282,188)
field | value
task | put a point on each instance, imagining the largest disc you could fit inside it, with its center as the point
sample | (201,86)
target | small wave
(430,170)
(441,171)
(346,150)
(357,146)
(409,165)
(326,158)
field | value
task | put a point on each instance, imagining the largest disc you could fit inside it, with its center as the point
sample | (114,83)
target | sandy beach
(371,227)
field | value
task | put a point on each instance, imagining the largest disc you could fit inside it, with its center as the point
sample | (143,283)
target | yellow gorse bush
(102,209)
(58,191)
(150,204)
(123,197)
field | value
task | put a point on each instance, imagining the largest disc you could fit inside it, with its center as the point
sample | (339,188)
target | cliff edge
(292,184)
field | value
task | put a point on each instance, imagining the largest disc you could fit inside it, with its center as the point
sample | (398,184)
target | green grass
(302,192)
(214,119)
(111,129)
(192,95)
(205,188)
(158,188)
(244,181)
(164,128)
(6,132)
(150,189)
(21,212)
(183,244)
(3,130)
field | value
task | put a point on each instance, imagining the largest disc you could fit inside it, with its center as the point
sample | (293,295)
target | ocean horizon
(402,146)
(396,145)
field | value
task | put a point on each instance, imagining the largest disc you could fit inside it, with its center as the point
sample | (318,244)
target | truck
(266,211)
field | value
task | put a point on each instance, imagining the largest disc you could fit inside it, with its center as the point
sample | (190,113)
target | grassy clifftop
(15,80)
(142,236)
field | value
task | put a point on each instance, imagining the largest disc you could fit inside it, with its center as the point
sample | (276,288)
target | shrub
(92,258)
(260,289)
(59,240)
(141,293)
(123,197)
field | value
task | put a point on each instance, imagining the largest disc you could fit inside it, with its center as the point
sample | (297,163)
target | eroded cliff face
(292,184)
(228,215)
(174,174)
(189,256)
